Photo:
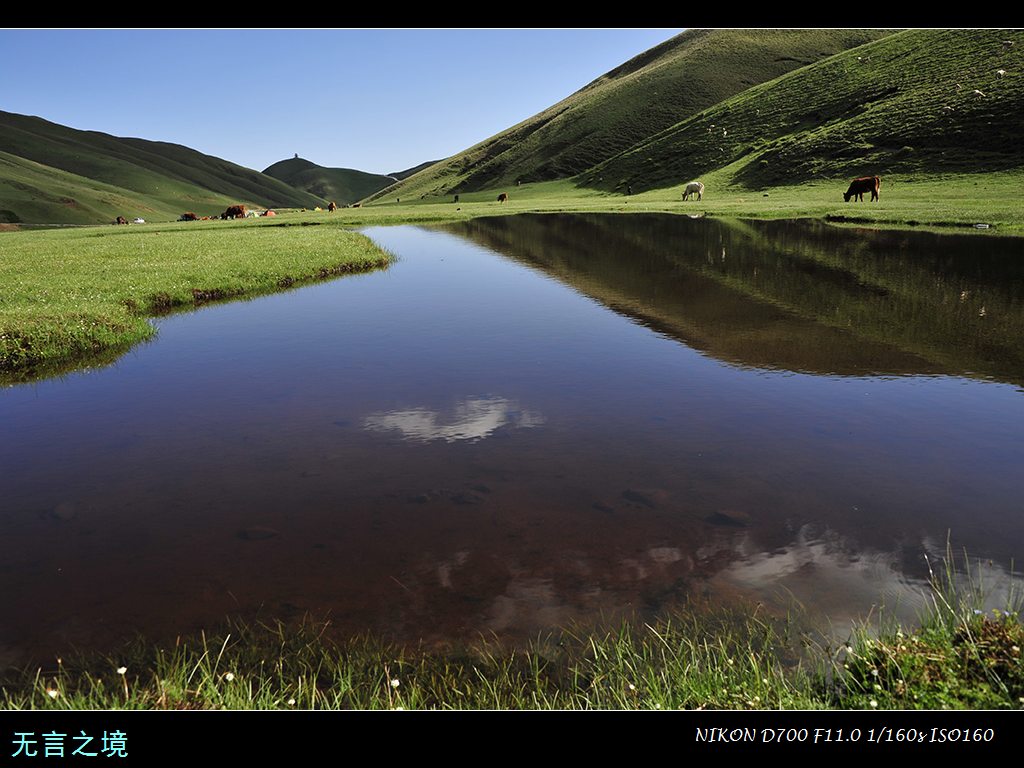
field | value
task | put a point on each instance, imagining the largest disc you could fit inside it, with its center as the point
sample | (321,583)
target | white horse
(693,188)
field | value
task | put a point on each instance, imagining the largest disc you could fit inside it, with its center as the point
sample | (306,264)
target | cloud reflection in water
(473,418)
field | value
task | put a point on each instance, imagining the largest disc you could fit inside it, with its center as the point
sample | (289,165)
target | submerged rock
(465,497)
(64,511)
(729,517)
(422,498)
(257,533)
(638,498)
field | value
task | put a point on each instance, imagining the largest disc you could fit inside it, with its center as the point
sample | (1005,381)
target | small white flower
(399,709)
(394,682)
(291,702)
(873,703)
(657,705)
(632,687)
(122,670)
(229,676)
(53,693)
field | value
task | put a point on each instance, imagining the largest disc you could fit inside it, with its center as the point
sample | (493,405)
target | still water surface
(526,422)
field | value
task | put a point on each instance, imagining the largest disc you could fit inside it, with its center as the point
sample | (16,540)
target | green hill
(918,100)
(646,95)
(342,185)
(410,171)
(53,174)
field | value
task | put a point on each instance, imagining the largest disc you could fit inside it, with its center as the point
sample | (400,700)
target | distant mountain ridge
(342,185)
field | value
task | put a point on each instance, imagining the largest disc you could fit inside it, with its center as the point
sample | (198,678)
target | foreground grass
(959,658)
(69,295)
(691,661)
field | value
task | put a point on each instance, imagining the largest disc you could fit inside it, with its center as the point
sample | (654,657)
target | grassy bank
(80,296)
(907,200)
(960,657)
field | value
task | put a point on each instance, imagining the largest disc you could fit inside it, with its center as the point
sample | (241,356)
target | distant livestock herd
(858,187)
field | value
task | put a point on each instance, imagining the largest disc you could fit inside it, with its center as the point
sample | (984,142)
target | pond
(528,422)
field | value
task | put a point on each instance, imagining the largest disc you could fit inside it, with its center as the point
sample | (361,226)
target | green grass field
(918,200)
(72,294)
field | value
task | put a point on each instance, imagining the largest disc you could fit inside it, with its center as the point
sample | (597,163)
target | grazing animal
(864,184)
(357,205)
(456,199)
(234,212)
(121,220)
(332,206)
(503,197)
(693,188)
(189,216)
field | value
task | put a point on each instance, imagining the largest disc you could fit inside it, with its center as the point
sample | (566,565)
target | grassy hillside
(919,100)
(410,171)
(342,185)
(55,174)
(647,94)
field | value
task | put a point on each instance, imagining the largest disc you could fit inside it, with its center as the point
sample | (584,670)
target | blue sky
(378,100)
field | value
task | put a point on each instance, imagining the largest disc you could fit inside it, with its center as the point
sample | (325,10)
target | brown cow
(503,197)
(188,216)
(332,206)
(864,184)
(121,220)
(234,212)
